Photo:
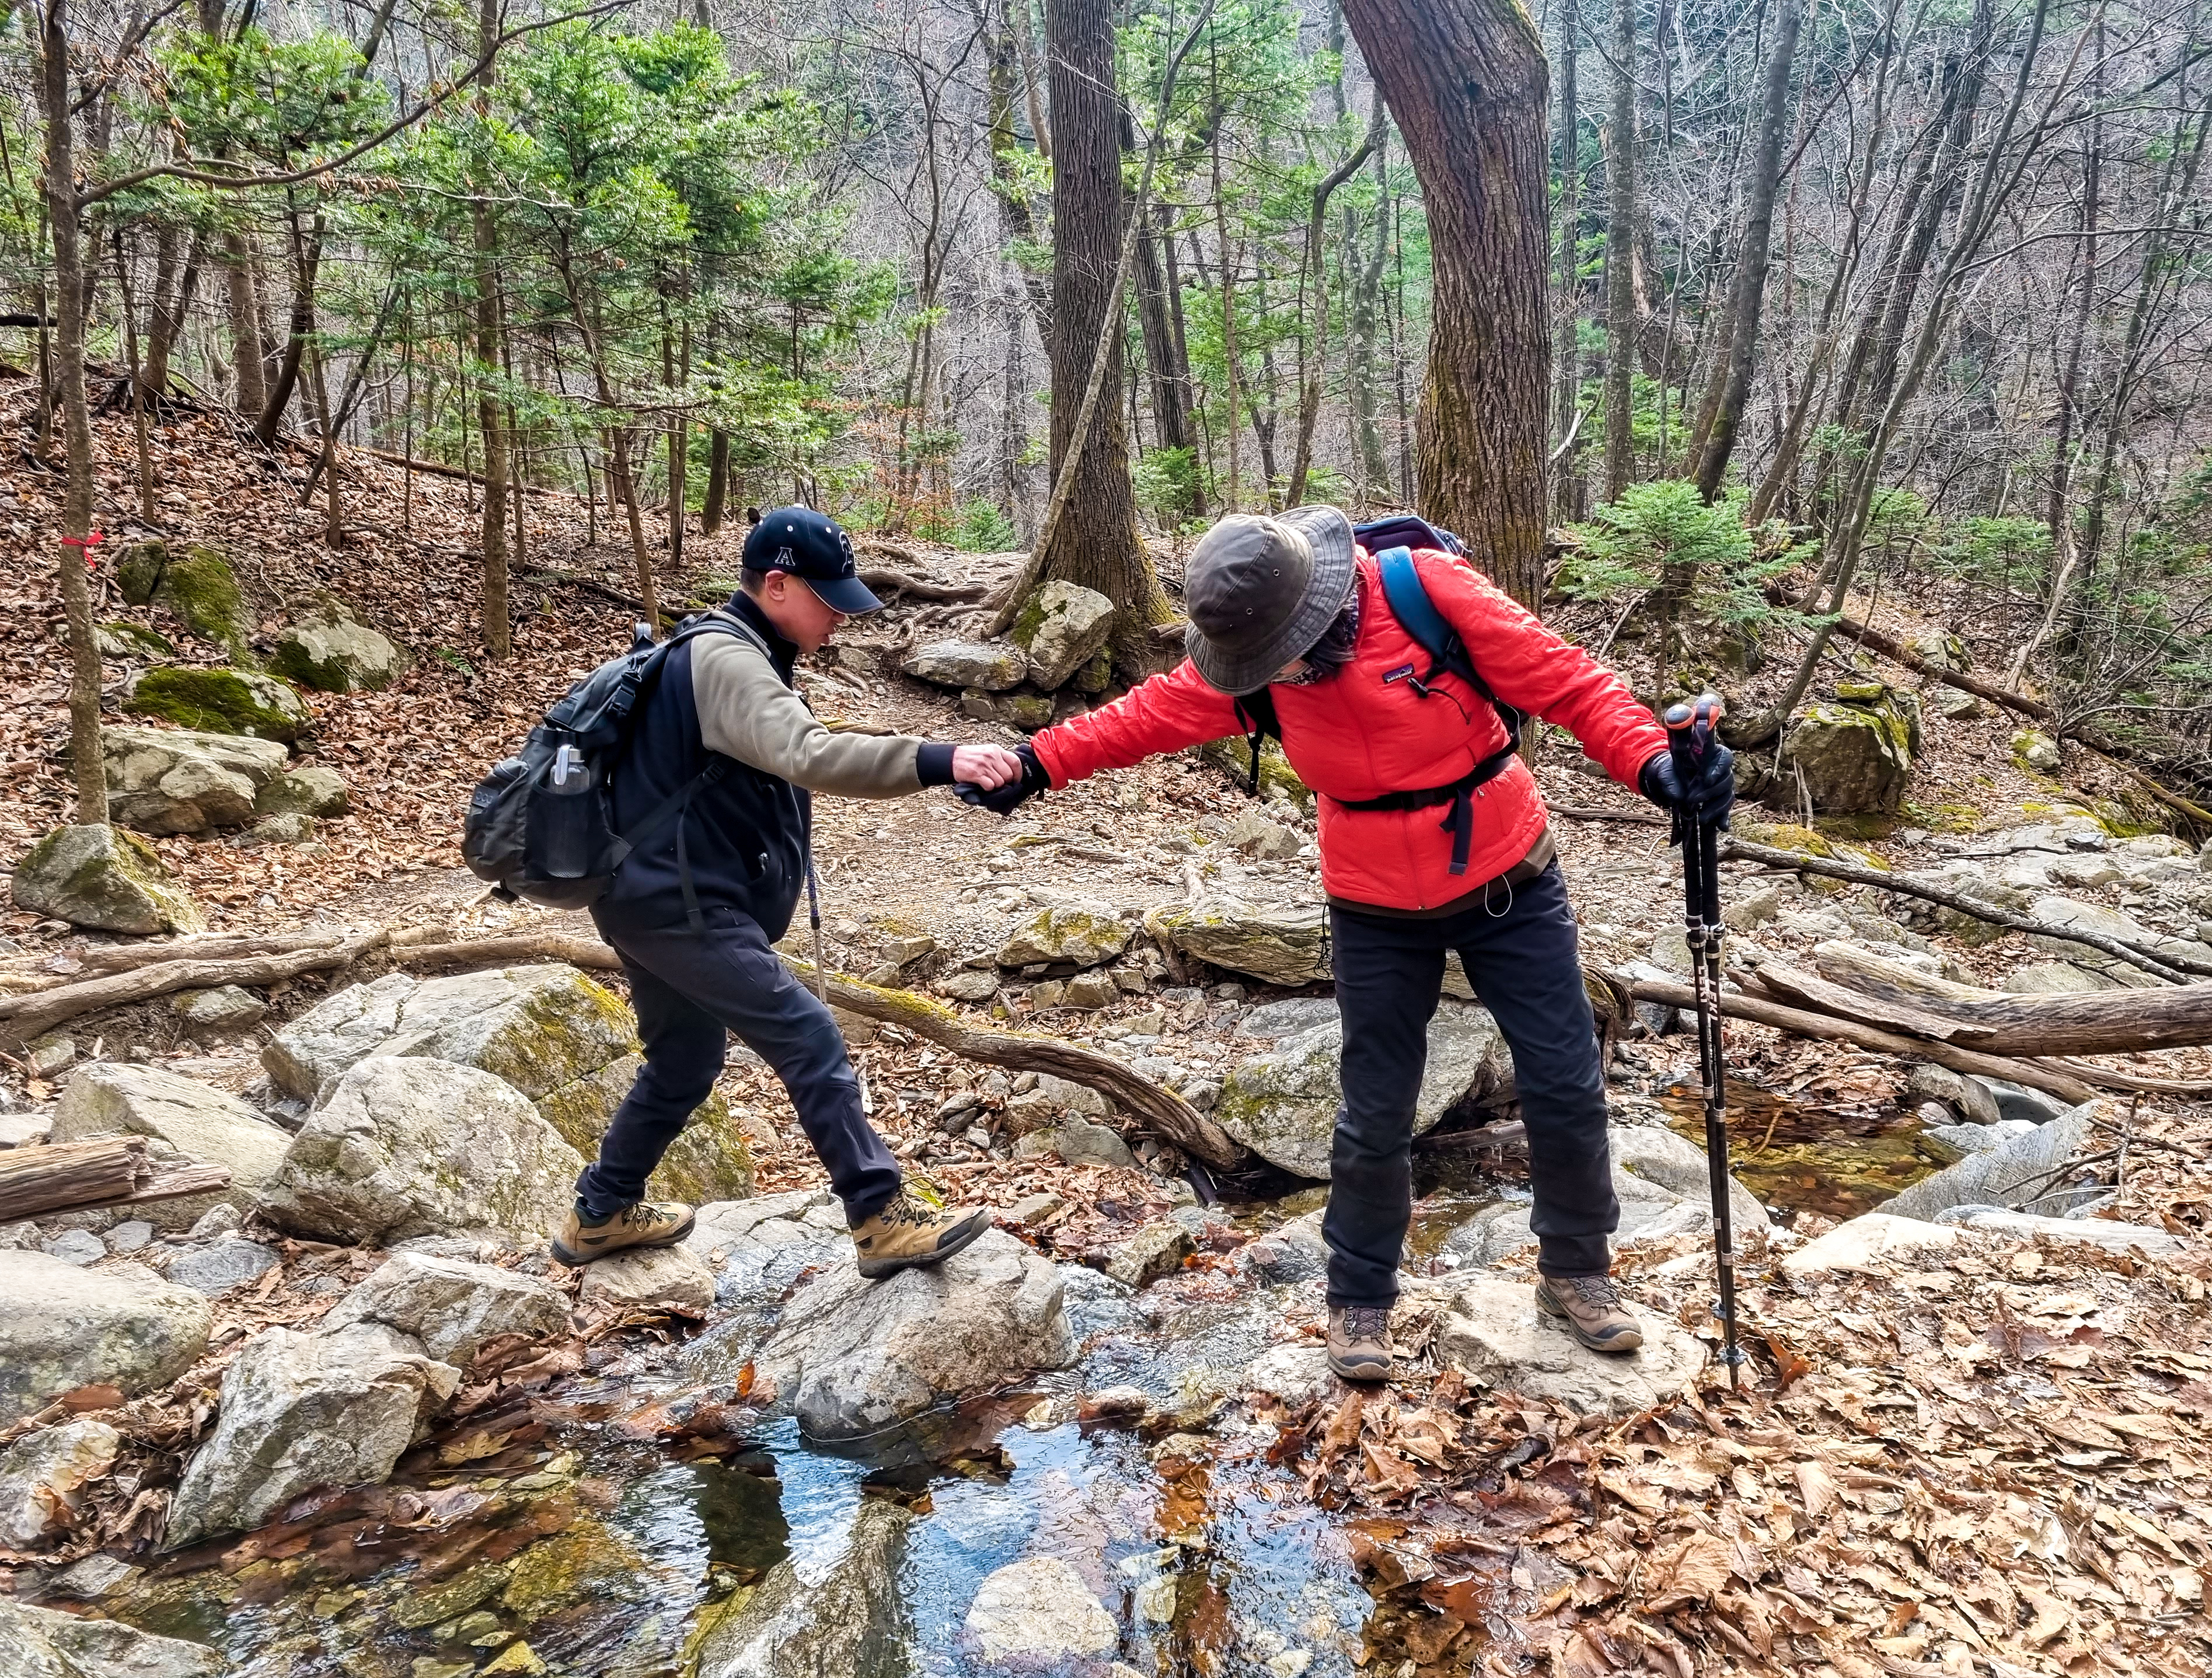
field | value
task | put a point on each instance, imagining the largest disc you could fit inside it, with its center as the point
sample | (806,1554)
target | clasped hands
(992,778)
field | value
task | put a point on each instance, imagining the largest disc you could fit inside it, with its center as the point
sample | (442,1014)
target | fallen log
(36,972)
(25,1017)
(2071,1085)
(2160,965)
(106,1172)
(2108,1022)
(887,582)
(1578,813)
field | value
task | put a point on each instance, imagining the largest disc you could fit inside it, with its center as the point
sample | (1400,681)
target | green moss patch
(220,701)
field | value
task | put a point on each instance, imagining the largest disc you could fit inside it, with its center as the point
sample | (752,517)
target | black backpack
(1391,540)
(540,825)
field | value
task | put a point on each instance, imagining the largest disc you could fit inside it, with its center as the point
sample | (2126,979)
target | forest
(371,372)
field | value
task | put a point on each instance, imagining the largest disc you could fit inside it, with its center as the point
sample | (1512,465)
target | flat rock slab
(61,1328)
(2113,1237)
(454,1307)
(1875,1243)
(649,1276)
(41,1643)
(1491,1329)
(2032,1163)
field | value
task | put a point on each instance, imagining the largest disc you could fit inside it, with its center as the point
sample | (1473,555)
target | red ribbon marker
(87,542)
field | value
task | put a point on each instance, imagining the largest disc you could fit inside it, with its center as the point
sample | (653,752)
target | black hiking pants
(1521,953)
(691,989)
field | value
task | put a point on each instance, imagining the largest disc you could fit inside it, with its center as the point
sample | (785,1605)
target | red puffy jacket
(1356,736)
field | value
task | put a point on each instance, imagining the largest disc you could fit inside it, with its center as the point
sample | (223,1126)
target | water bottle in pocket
(568,824)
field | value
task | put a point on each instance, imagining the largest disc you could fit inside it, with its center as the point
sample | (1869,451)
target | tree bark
(245,323)
(2112,1022)
(1366,297)
(483,242)
(718,481)
(87,766)
(1749,292)
(1317,260)
(1468,85)
(106,1170)
(1620,333)
(1566,387)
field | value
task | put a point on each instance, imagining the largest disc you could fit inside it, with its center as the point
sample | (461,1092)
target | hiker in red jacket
(1433,837)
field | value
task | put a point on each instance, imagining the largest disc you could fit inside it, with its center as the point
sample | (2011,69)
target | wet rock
(1282,943)
(51,1644)
(101,877)
(218,1267)
(325,647)
(1062,627)
(219,702)
(562,1039)
(849,1622)
(1295,1374)
(1255,836)
(1974,1138)
(2113,1237)
(301,1411)
(1078,1142)
(2037,751)
(1290,1252)
(61,1328)
(1492,1330)
(2027,1162)
(75,1246)
(178,781)
(199,1120)
(1282,1104)
(1874,1242)
(453,1307)
(1037,1612)
(991,665)
(1853,757)
(1080,930)
(381,1158)
(1153,1251)
(851,1356)
(210,1015)
(43,1476)
(650,1276)
(310,790)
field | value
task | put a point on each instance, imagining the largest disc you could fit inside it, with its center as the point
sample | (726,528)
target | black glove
(1005,801)
(1707,789)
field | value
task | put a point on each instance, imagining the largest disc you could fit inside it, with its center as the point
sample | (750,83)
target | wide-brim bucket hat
(1261,591)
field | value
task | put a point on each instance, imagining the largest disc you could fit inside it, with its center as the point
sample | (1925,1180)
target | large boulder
(403,1148)
(219,702)
(1079,930)
(850,1622)
(302,1411)
(453,1307)
(852,1356)
(991,665)
(1854,756)
(565,1041)
(44,1643)
(99,877)
(1282,1104)
(210,1125)
(181,781)
(1281,943)
(325,647)
(1062,627)
(61,1328)
(198,585)
(1490,1330)
(2033,1165)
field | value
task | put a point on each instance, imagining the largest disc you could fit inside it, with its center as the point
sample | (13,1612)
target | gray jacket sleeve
(746,712)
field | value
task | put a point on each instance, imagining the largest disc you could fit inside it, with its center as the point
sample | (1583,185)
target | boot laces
(644,1214)
(1597,1291)
(903,1208)
(1366,1322)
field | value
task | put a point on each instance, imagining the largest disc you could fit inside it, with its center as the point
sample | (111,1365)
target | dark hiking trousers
(690,988)
(1521,955)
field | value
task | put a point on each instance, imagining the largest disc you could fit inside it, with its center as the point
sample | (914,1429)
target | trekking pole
(814,919)
(1689,739)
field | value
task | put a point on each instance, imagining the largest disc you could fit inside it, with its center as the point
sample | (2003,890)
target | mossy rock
(327,648)
(1848,758)
(1782,837)
(105,879)
(710,1159)
(125,640)
(1277,778)
(198,586)
(220,701)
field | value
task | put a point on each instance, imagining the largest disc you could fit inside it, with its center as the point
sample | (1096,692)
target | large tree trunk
(1466,83)
(246,347)
(89,771)
(1621,317)
(484,240)
(1750,290)
(1004,66)
(1094,542)
(1567,376)
(1366,296)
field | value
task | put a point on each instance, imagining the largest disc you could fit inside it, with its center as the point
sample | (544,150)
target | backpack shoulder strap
(1256,712)
(1409,602)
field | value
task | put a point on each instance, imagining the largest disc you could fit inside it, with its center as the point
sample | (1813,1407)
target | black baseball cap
(812,548)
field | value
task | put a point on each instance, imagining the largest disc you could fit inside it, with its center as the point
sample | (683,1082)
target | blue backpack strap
(1410,606)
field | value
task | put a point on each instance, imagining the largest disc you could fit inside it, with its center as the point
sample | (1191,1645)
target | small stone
(993,666)
(23,1130)
(95,1576)
(218,1267)
(49,1055)
(75,1246)
(325,647)
(290,829)
(2037,751)
(1090,991)
(310,791)
(1078,1142)
(105,878)
(130,1236)
(650,1276)
(517,1656)
(1078,930)
(1039,1612)
(220,1012)
(219,1220)
(1050,995)
(1032,1209)
(1232,992)
(1151,1252)
(1255,836)
(1202,1093)
(42,1475)
(905,952)
(969,985)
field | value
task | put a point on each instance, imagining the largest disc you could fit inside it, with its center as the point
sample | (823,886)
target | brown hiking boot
(1591,1307)
(1359,1341)
(643,1223)
(906,1234)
